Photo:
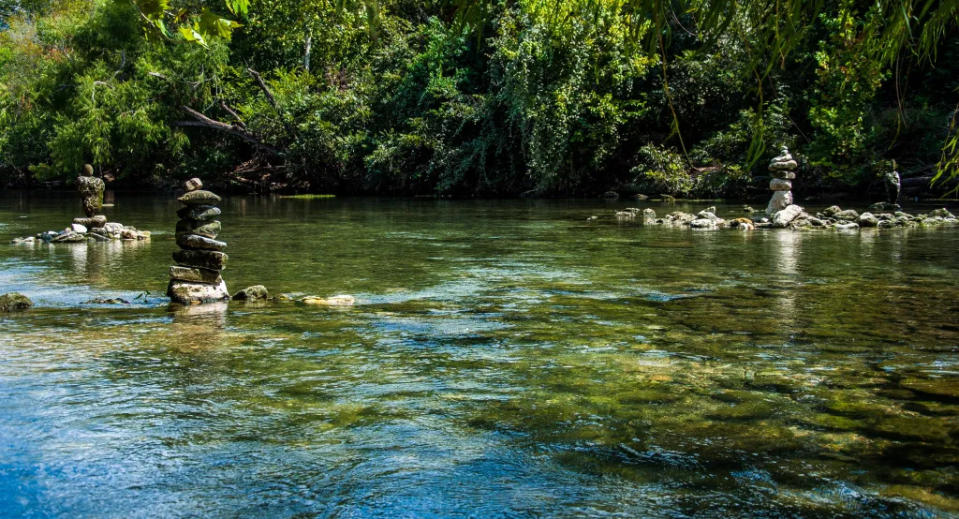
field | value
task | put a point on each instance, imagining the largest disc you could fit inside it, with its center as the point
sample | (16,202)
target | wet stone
(92,222)
(208,229)
(14,302)
(91,192)
(195,274)
(198,212)
(187,292)
(253,293)
(212,260)
(197,242)
(199,197)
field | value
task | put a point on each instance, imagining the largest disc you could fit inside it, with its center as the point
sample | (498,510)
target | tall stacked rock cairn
(196,279)
(782,169)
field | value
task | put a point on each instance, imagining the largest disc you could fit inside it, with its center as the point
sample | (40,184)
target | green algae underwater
(504,359)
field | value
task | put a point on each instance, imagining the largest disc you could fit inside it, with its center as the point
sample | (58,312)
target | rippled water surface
(504,359)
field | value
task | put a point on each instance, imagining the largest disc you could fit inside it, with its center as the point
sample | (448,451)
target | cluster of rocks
(882,214)
(93,226)
(196,276)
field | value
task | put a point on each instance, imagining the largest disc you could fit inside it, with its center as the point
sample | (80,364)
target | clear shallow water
(505,359)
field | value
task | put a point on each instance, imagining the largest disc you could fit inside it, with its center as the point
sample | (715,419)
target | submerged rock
(868,220)
(649,216)
(253,293)
(338,300)
(14,302)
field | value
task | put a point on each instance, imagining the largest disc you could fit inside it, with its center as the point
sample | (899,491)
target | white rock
(75,227)
(779,201)
(786,216)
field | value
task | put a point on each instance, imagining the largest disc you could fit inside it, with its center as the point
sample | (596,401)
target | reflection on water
(504,359)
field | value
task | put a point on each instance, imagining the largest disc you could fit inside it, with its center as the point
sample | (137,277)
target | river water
(504,359)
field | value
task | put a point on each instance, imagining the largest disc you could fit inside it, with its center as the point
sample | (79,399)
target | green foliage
(475,98)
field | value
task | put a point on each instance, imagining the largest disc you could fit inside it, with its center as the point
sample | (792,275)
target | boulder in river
(14,301)
(786,216)
(187,292)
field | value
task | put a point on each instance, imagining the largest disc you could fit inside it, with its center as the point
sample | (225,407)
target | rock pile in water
(93,226)
(196,277)
(783,171)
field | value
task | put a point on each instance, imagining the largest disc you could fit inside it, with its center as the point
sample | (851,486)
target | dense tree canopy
(477,98)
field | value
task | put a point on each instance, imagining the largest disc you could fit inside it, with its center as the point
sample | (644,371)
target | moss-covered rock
(14,301)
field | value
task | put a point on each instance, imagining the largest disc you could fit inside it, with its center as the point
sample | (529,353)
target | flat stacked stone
(196,276)
(783,171)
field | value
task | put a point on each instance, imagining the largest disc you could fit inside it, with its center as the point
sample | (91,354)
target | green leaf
(190,34)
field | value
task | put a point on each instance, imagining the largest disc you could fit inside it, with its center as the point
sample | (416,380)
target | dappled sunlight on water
(503,359)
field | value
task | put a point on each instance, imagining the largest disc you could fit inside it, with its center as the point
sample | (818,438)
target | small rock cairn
(783,171)
(93,226)
(196,277)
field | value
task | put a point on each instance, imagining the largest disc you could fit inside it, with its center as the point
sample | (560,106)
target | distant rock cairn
(782,170)
(195,279)
(91,192)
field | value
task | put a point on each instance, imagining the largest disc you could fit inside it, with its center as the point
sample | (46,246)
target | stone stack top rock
(196,276)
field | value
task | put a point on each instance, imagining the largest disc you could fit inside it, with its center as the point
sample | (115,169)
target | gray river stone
(197,242)
(195,274)
(786,216)
(193,184)
(778,184)
(201,258)
(209,229)
(190,293)
(92,222)
(253,293)
(779,201)
(199,197)
(199,212)
(14,301)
